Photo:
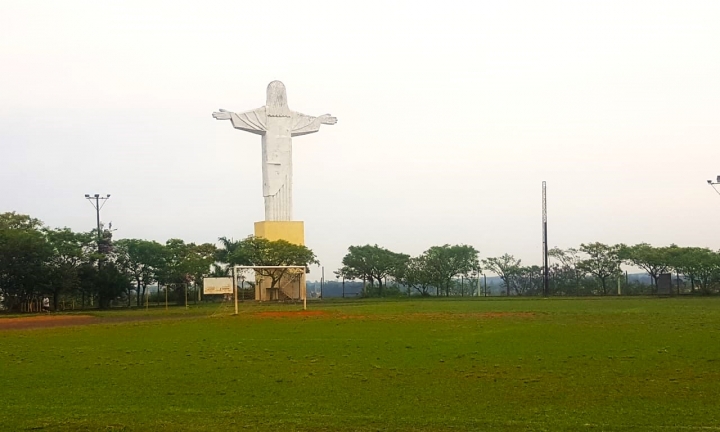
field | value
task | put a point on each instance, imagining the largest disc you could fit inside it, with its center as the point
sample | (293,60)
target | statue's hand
(222,115)
(328,119)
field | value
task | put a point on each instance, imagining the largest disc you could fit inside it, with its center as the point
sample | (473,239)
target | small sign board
(217,285)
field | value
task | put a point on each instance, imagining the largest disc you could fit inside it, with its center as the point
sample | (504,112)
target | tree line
(591,269)
(91,268)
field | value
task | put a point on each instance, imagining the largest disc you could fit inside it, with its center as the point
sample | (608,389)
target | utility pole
(322,281)
(546,281)
(97,198)
(98,205)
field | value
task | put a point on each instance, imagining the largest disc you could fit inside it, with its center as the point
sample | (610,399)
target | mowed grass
(501,364)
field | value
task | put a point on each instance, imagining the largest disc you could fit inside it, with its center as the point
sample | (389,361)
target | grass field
(596,364)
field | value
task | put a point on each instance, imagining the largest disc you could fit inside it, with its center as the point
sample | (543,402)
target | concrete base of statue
(293,286)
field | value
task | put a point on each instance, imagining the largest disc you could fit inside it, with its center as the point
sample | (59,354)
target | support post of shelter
(235,290)
(303,289)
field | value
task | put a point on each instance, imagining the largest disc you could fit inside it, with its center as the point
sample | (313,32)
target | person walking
(46,304)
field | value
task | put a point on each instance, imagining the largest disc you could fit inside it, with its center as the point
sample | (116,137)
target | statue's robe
(277,132)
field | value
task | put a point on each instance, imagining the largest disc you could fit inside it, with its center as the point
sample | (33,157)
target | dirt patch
(504,315)
(426,316)
(290,314)
(45,321)
(394,317)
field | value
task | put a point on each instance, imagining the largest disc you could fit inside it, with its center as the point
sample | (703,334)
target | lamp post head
(108,195)
(97,195)
(88,196)
(709,182)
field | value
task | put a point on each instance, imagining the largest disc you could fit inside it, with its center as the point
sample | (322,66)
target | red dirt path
(422,315)
(288,314)
(48,321)
(478,315)
(505,314)
(45,321)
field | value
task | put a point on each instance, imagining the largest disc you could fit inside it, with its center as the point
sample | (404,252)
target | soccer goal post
(282,280)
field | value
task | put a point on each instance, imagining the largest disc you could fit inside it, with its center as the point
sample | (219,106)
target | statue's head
(276,105)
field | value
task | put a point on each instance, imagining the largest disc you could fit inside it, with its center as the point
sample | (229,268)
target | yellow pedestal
(290,231)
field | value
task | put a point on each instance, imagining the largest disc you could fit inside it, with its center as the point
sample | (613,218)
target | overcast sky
(450,116)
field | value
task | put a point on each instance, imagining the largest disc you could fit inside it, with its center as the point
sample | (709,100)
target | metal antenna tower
(546,281)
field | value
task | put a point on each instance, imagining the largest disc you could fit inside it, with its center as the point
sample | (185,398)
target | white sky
(451,114)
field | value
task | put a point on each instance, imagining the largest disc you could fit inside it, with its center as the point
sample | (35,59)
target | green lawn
(596,364)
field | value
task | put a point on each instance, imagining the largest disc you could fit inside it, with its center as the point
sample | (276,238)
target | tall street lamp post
(98,205)
(715,183)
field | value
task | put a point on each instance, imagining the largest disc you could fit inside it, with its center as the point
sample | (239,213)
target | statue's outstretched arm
(222,114)
(305,124)
(250,121)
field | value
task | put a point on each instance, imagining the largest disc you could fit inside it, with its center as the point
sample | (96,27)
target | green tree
(183,263)
(562,280)
(416,275)
(87,280)
(24,254)
(226,253)
(69,251)
(172,271)
(175,262)
(654,260)
(569,259)
(107,281)
(700,265)
(258,251)
(372,263)
(688,262)
(708,270)
(506,266)
(528,280)
(603,262)
(200,259)
(226,257)
(141,260)
(444,263)
(16,221)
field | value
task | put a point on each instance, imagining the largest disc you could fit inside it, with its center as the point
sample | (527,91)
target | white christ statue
(277,124)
